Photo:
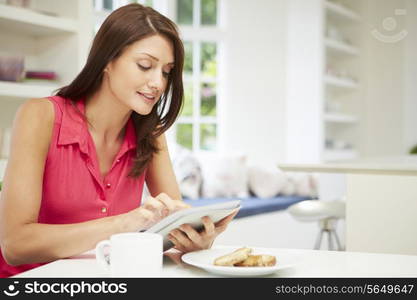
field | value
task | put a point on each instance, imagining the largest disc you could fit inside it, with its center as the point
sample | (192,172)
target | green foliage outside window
(185,12)
(209,59)
(188,60)
(208,71)
(187,109)
(208,99)
(185,135)
(208,12)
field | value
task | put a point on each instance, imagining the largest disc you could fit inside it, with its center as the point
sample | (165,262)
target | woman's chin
(142,110)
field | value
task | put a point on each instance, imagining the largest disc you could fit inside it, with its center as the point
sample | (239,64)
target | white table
(313,263)
(381,205)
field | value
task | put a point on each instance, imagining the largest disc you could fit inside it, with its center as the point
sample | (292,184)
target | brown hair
(121,28)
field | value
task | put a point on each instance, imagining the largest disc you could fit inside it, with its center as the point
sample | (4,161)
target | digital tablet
(193,217)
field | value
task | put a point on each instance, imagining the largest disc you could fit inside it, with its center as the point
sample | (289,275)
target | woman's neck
(107,116)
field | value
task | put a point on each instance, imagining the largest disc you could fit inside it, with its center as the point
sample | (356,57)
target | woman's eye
(143,67)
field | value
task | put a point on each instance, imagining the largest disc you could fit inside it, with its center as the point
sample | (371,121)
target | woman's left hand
(187,239)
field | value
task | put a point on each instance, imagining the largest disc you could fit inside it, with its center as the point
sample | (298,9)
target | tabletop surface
(311,263)
(401,165)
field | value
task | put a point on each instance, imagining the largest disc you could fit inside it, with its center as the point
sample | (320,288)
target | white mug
(133,254)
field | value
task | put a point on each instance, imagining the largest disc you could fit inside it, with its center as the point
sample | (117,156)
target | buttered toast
(258,261)
(242,258)
(236,256)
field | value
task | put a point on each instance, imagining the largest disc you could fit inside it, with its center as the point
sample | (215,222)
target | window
(111,5)
(197,127)
(103,8)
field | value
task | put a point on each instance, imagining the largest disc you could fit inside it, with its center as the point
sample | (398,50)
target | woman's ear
(107,67)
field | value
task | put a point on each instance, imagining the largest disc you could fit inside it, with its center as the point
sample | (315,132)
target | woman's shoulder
(37,111)
(38,102)
(38,106)
(31,133)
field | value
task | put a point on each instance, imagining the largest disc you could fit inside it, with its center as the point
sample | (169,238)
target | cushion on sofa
(187,170)
(266,181)
(223,175)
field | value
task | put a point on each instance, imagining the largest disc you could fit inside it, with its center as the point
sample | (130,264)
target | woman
(79,159)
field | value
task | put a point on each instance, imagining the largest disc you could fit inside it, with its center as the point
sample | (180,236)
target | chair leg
(339,246)
(318,240)
(329,239)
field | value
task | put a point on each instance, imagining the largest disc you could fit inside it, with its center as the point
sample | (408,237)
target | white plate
(204,259)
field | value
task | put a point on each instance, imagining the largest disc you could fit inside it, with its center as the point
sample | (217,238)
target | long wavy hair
(121,28)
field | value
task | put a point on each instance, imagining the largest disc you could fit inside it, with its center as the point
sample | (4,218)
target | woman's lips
(146,98)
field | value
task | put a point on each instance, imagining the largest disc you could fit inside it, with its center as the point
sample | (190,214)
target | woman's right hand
(152,211)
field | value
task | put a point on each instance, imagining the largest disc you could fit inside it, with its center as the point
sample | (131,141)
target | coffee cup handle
(103,259)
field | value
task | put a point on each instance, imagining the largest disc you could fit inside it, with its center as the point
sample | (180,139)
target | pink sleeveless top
(73,188)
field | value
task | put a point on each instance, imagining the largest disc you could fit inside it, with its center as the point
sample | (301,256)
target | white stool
(326,213)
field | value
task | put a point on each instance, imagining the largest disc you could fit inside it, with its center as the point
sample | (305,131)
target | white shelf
(340,82)
(25,90)
(336,154)
(343,55)
(338,47)
(21,20)
(341,12)
(340,118)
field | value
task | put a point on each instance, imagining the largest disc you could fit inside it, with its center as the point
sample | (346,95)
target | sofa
(207,178)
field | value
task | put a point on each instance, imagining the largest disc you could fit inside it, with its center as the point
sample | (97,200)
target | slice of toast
(257,261)
(233,258)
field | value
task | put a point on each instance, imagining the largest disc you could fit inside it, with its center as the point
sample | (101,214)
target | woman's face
(139,76)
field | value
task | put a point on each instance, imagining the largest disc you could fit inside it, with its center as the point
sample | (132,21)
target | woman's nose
(156,81)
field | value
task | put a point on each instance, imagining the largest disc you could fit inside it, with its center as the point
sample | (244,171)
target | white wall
(410,107)
(253,112)
(304,85)
(383,128)
(272,107)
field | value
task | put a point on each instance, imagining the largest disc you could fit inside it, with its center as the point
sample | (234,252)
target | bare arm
(23,240)
(160,177)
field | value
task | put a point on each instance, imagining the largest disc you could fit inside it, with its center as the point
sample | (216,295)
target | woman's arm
(160,177)
(23,240)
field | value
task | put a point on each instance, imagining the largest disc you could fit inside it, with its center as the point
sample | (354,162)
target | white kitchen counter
(381,205)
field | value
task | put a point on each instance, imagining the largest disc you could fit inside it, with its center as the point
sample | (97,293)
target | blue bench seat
(253,205)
